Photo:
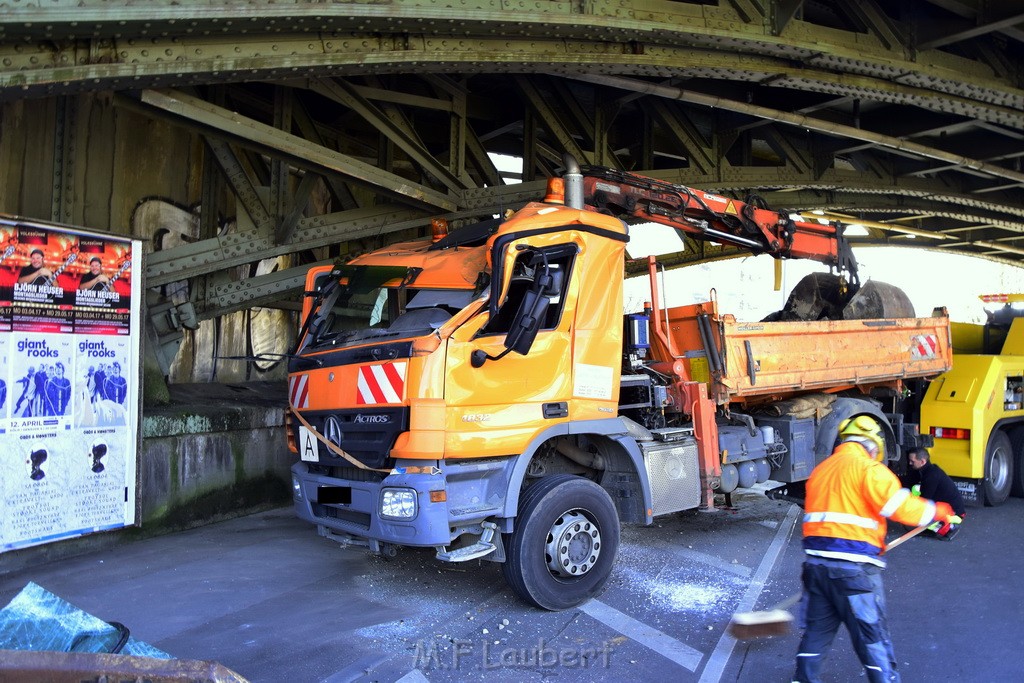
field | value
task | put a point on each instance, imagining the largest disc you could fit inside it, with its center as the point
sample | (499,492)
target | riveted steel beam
(674,122)
(425,76)
(340,91)
(339,190)
(888,142)
(788,149)
(279,174)
(299,152)
(65,137)
(870,15)
(972,10)
(782,12)
(549,119)
(988,22)
(235,249)
(286,228)
(242,186)
(261,290)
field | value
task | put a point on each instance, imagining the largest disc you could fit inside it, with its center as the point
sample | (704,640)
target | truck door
(511,395)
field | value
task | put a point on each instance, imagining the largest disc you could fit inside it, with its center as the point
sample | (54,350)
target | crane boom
(711,217)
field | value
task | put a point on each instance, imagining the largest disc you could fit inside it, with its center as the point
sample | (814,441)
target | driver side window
(528,266)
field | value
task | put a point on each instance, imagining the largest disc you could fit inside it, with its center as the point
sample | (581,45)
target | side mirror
(523,330)
(527,322)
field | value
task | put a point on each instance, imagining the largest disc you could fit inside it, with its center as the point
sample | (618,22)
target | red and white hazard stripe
(298,391)
(381,383)
(923,346)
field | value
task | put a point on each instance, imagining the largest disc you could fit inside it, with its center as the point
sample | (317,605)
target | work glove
(943,512)
(915,490)
(949,527)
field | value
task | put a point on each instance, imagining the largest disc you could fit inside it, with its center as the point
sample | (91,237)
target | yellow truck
(975,411)
(481,393)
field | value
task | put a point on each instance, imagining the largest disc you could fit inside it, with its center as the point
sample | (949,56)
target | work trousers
(840,592)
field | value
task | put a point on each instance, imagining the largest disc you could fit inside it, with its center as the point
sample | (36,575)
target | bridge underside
(248,140)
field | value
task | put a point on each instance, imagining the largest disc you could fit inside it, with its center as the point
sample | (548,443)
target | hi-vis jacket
(849,497)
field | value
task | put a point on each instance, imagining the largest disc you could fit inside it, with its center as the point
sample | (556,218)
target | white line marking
(414,676)
(691,555)
(723,650)
(663,644)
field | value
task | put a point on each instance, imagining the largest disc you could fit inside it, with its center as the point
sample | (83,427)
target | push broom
(777,621)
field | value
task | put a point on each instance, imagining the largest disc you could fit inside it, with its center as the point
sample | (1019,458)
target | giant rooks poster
(69,369)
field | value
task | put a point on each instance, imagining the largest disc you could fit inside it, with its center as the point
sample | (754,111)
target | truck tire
(998,469)
(1017,447)
(563,547)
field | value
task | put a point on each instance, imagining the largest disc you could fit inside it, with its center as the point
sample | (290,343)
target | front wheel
(998,469)
(563,547)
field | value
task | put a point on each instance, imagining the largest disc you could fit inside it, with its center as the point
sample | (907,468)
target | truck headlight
(296,487)
(398,503)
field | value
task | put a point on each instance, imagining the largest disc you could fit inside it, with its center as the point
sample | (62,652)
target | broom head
(747,625)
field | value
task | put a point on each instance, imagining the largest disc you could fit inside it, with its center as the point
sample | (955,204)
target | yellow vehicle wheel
(1017,446)
(998,469)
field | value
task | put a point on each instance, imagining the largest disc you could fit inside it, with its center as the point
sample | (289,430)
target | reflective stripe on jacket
(849,497)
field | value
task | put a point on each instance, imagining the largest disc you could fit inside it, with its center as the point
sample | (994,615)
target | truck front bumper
(472,493)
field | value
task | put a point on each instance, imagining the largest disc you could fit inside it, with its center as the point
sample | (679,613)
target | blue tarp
(36,619)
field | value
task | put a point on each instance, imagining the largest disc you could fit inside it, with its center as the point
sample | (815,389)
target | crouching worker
(850,495)
(933,483)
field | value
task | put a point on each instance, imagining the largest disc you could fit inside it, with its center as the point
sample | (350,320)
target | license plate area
(334,495)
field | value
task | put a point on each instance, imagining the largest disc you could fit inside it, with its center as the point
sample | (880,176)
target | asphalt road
(266,597)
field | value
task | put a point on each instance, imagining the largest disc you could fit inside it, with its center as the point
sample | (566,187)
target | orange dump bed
(746,360)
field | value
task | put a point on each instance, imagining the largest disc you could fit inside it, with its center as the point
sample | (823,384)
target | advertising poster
(39,297)
(5,388)
(69,373)
(9,244)
(102,292)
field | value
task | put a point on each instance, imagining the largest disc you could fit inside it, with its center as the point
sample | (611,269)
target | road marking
(663,644)
(723,650)
(414,676)
(718,563)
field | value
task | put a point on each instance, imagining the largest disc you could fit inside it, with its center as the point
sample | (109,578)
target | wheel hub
(1000,468)
(573,546)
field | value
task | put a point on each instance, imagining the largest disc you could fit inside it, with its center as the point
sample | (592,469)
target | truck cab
(975,411)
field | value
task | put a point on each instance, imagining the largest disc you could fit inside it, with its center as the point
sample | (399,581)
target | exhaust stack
(573,182)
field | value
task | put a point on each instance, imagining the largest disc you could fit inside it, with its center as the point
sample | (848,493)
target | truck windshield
(356,304)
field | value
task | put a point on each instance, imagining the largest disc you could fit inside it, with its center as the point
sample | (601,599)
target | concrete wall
(215,451)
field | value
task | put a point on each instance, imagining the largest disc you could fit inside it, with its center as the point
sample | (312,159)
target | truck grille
(360,518)
(368,435)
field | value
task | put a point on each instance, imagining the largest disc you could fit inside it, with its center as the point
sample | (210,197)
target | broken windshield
(356,304)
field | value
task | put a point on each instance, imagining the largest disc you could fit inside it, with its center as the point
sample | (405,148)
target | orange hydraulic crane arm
(707,216)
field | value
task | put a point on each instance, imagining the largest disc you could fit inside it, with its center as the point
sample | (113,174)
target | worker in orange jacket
(850,495)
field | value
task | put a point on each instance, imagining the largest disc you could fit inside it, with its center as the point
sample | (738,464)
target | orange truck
(480,392)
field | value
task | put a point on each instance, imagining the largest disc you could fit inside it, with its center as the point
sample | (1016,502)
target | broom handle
(905,537)
(793,599)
